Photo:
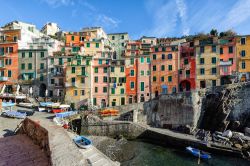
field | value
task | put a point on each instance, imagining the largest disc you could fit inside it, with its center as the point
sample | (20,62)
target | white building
(50,29)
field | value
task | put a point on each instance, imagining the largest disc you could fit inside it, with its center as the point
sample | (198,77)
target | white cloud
(182,8)
(57,3)
(106,22)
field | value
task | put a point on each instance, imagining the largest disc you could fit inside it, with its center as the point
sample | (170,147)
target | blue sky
(160,18)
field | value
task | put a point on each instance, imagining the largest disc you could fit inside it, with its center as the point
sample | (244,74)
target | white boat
(41,109)
(27,105)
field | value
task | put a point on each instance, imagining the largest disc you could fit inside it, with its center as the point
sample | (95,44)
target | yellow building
(243,54)
(207,62)
(117,95)
(78,81)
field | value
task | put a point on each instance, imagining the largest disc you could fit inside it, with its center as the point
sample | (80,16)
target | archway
(185,86)
(42,90)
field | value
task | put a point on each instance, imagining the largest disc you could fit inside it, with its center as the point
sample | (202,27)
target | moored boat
(82,142)
(14,114)
(198,153)
(26,105)
(66,114)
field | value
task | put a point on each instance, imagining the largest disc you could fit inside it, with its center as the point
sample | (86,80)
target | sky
(159,18)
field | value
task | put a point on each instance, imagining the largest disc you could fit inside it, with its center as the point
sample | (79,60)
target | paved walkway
(19,150)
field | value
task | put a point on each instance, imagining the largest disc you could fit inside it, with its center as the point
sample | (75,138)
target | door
(123,101)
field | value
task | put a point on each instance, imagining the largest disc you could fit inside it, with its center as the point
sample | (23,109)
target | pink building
(100,88)
(227,59)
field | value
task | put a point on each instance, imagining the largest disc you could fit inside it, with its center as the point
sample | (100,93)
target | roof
(119,33)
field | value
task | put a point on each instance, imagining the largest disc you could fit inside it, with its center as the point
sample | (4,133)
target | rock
(227,133)
(247,131)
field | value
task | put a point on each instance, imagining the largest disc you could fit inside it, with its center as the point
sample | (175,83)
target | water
(145,154)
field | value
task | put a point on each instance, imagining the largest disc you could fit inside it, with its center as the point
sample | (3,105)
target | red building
(131,70)
(187,67)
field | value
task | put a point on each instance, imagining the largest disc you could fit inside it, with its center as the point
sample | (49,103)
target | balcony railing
(227,63)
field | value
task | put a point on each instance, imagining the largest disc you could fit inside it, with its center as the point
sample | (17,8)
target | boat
(41,109)
(8,104)
(14,114)
(45,104)
(82,142)
(57,110)
(26,105)
(66,114)
(109,112)
(59,121)
(198,153)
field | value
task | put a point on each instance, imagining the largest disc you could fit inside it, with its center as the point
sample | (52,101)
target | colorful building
(243,56)
(164,69)
(207,62)
(187,68)
(118,42)
(227,59)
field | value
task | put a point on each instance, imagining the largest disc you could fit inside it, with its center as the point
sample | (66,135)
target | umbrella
(31,90)
(58,92)
(46,92)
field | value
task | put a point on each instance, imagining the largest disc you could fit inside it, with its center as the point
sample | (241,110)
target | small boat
(82,142)
(8,104)
(41,109)
(198,153)
(26,105)
(45,104)
(66,114)
(14,114)
(57,110)
(59,121)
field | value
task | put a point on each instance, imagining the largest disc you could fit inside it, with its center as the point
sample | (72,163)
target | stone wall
(171,111)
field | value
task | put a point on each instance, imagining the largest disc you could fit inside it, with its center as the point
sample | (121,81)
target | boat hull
(198,153)
(82,142)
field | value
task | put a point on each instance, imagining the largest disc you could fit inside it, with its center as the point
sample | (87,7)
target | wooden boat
(82,142)
(26,105)
(14,114)
(198,153)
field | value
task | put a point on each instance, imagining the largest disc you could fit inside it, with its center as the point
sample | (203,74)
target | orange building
(164,69)
(75,38)
(9,59)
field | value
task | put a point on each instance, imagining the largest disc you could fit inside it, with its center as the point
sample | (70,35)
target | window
(142,59)
(96,89)
(8,61)
(221,50)
(142,72)
(202,49)
(73,70)
(9,73)
(94,101)
(202,61)
(105,79)
(96,79)
(41,66)
(170,67)
(23,54)
(121,69)
(112,69)
(132,73)
(154,56)
(112,90)
(72,38)
(75,92)
(213,48)
(52,60)
(230,49)
(162,79)
(30,66)
(132,61)
(42,55)
(243,53)
(213,82)
(169,78)
(162,67)
(68,59)
(148,72)
(202,71)
(187,73)
(60,61)
(148,60)
(163,49)
(243,64)
(30,54)
(122,91)
(96,69)
(82,80)
(214,70)
(142,86)
(202,84)
(122,44)
(23,66)
(232,60)
(154,78)
(156,49)
(83,71)
(213,60)
(82,92)
(185,61)
(113,37)
(88,45)
(79,62)
(107,62)
(122,37)
(154,68)
(100,61)
(97,45)
(163,56)
(104,89)
(10,49)
(170,56)
(105,70)
(132,85)
(73,80)
(52,81)
(41,77)
(243,40)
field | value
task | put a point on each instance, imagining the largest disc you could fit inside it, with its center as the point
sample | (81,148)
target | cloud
(182,8)
(106,22)
(57,3)
(88,5)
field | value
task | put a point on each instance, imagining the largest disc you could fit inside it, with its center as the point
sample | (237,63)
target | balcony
(82,75)
(228,63)
(67,85)
(58,74)
(57,85)
(26,82)
(3,78)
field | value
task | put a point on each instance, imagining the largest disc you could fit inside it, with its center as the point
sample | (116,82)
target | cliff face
(214,109)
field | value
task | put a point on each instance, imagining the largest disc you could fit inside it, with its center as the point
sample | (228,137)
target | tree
(214,32)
